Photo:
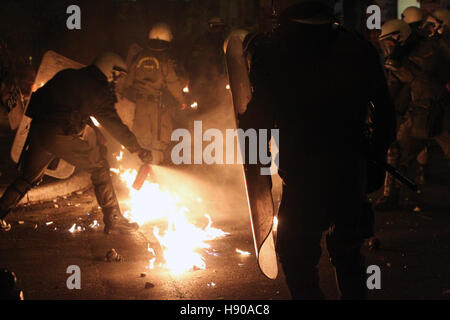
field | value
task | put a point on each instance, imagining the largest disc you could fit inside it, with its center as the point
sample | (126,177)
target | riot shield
(259,193)
(16,112)
(51,64)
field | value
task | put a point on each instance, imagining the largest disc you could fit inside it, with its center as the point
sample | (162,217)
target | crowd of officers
(311,79)
(417,63)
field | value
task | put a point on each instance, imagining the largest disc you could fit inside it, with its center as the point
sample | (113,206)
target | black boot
(115,221)
(10,198)
(350,278)
(344,248)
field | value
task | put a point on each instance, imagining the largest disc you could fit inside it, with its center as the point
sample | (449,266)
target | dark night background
(31,27)
(415,256)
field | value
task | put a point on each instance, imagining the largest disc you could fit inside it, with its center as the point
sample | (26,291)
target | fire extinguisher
(142,175)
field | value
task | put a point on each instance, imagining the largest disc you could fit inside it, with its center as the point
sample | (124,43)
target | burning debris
(120,156)
(94,224)
(182,241)
(72,229)
(76,228)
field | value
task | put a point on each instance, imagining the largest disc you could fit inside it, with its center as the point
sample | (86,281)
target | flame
(72,229)
(115,170)
(194,105)
(227,87)
(94,224)
(186,89)
(182,241)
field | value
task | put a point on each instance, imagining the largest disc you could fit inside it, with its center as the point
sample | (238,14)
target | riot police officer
(417,82)
(157,90)
(314,82)
(206,65)
(60,110)
(414,17)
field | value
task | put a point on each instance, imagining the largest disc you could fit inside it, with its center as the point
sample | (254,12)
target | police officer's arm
(174,82)
(107,115)
(400,93)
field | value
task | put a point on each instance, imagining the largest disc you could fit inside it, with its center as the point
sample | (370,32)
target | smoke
(220,185)
(214,189)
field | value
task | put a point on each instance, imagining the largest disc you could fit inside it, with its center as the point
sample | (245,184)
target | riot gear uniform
(155,87)
(414,17)
(314,83)
(60,110)
(417,73)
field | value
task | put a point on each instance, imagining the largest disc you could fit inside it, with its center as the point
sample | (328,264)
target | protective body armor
(156,89)
(321,115)
(417,83)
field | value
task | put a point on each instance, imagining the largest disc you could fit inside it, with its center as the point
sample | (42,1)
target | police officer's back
(314,83)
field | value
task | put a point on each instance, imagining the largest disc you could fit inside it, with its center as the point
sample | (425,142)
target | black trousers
(44,145)
(298,246)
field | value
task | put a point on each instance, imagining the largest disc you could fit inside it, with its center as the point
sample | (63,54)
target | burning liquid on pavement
(182,241)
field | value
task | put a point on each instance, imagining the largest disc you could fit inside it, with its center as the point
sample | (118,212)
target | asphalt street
(413,255)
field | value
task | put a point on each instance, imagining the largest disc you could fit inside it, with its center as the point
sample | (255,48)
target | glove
(145,155)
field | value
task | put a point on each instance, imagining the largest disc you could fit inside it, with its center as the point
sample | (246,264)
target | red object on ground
(142,175)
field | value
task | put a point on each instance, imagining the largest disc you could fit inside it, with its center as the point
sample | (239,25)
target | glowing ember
(72,229)
(96,123)
(152,263)
(94,224)
(182,240)
(244,253)
(115,170)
